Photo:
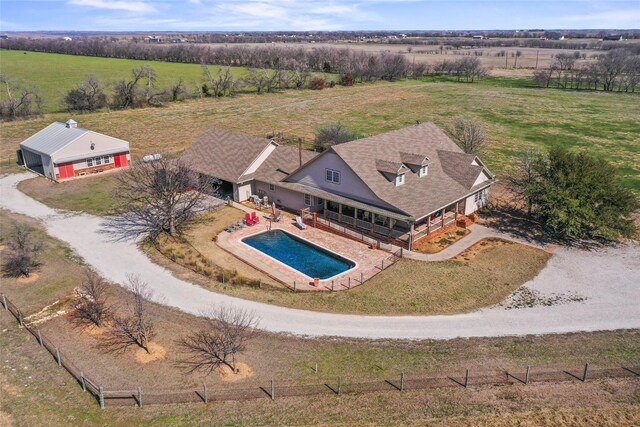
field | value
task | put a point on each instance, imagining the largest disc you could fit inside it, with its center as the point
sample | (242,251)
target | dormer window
(424,170)
(399,180)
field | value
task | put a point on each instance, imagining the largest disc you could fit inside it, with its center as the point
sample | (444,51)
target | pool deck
(368,260)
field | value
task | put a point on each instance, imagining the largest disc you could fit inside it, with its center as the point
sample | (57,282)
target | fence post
(339,384)
(39,337)
(223,278)
(4,302)
(58,357)
(401,381)
(84,386)
(349,283)
(526,376)
(382,265)
(294,286)
(273,389)
(206,394)
(466,378)
(260,285)
(401,252)
(584,374)
(101,397)
(361,277)
(140,397)
(331,285)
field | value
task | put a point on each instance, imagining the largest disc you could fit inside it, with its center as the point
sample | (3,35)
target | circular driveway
(607,282)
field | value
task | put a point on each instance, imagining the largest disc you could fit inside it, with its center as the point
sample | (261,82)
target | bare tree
(90,303)
(332,134)
(23,250)
(128,93)
(177,91)
(224,336)
(524,176)
(219,83)
(160,196)
(469,135)
(87,96)
(19,101)
(135,326)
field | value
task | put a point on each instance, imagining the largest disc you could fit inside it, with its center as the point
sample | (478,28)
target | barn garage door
(120,160)
(65,170)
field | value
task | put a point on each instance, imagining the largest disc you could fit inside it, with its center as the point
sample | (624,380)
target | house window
(479,196)
(307,199)
(106,159)
(332,176)
(320,201)
(89,162)
(98,161)
(399,179)
(272,187)
(424,170)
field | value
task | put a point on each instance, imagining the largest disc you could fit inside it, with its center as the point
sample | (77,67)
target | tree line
(617,69)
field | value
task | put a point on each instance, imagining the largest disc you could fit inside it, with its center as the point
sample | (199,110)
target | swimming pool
(299,254)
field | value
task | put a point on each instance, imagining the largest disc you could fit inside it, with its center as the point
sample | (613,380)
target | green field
(514,114)
(54,74)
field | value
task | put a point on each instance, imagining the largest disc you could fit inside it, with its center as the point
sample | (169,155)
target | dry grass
(435,244)
(408,287)
(605,124)
(57,277)
(92,194)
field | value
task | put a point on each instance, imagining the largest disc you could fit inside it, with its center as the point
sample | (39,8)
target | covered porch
(387,226)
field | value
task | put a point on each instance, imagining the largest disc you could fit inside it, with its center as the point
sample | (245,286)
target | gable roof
(280,164)
(451,172)
(393,168)
(53,138)
(224,154)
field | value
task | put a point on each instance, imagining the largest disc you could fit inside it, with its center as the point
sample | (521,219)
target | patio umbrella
(273,209)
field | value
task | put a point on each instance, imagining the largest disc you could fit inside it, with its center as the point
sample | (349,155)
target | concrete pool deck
(368,261)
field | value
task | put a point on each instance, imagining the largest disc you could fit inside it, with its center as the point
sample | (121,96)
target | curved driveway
(609,279)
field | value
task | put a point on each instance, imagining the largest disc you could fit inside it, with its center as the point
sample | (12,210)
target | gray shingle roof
(414,159)
(393,168)
(224,154)
(418,196)
(280,164)
(52,138)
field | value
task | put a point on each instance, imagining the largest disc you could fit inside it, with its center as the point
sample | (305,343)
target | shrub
(317,83)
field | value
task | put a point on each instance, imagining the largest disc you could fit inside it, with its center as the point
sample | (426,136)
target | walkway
(608,279)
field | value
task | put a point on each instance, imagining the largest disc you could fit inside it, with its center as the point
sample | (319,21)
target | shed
(63,150)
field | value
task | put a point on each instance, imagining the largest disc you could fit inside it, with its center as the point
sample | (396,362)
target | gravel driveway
(587,291)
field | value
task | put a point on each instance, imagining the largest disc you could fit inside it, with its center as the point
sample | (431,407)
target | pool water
(299,254)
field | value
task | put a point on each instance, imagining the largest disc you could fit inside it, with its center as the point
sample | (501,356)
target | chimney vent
(72,123)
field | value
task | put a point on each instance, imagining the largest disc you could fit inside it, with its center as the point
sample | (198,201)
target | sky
(308,15)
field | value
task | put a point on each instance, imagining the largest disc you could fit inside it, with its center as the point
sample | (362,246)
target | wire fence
(281,386)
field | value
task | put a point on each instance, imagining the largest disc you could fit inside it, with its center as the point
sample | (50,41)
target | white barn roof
(52,138)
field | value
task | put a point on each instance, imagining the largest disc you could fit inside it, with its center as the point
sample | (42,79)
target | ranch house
(63,150)
(396,187)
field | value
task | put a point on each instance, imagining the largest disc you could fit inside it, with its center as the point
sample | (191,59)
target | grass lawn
(604,124)
(92,194)
(407,287)
(34,390)
(59,274)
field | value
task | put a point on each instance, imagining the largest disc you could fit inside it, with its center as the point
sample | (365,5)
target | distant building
(553,36)
(3,36)
(478,37)
(153,39)
(63,150)
(613,37)
(178,40)
(67,39)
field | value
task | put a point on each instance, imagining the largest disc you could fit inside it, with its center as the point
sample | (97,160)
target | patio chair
(247,219)
(255,218)
(240,225)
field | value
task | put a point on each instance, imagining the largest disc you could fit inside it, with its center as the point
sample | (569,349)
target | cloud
(129,6)
(611,19)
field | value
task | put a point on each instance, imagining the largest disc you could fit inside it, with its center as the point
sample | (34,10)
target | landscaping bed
(435,244)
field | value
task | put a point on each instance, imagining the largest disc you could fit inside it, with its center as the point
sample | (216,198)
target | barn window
(98,161)
(89,162)
(106,159)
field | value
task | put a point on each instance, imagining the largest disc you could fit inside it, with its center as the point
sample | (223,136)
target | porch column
(442,218)
(411,235)
(324,209)
(455,218)
(340,212)
(429,225)
(392,222)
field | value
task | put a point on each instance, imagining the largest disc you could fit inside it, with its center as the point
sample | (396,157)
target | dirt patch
(526,298)
(441,241)
(242,371)
(94,330)
(6,419)
(29,279)
(474,250)
(156,352)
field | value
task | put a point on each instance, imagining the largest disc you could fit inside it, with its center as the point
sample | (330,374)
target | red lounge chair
(247,219)
(254,218)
